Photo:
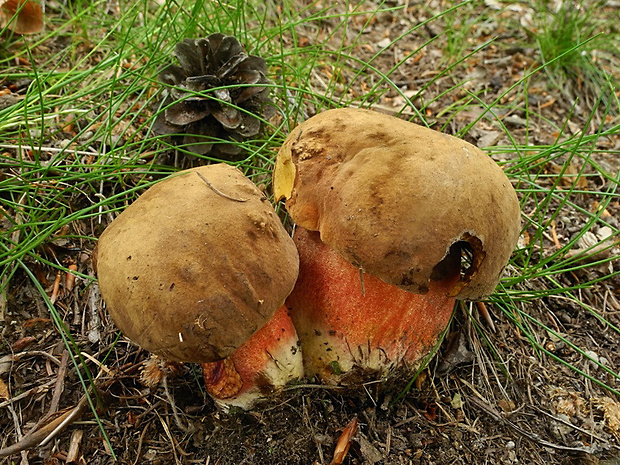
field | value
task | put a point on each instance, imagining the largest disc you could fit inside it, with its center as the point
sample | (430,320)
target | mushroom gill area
(464,257)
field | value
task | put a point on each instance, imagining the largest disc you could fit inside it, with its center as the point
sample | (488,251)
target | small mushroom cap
(196,265)
(21,16)
(400,201)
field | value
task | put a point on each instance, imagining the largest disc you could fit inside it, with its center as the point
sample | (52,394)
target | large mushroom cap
(396,199)
(196,265)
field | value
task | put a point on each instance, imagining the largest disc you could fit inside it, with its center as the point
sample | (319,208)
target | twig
(140,441)
(217,191)
(312,386)
(554,235)
(56,288)
(310,426)
(42,436)
(60,382)
(73,415)
(489,410)
(92,307)
(18,430)
(173,443)
(8,360)
(53,150)
(484,311)
(29,392)
(4,282)
(74,446)
(173,406)
(100,365)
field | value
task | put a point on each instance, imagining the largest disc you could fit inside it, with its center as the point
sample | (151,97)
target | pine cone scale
(186,112)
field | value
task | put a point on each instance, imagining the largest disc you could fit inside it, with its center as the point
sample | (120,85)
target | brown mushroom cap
(29,18)
(396,199)
(196,265)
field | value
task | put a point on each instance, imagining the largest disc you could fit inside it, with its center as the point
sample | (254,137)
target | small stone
(7,101)
(86,136)
(593,357)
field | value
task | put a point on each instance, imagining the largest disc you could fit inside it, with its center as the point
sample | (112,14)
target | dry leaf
(488,138)
(4,390)
(6,363)
(342,448)
(22,343)
(571,176)
(455,354)
(594,247)
(369,452)
(507,406)
(29,18)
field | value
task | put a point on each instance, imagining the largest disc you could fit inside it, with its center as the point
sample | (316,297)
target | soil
(489,396)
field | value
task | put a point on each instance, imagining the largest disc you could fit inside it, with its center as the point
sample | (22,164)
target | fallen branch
(47,432)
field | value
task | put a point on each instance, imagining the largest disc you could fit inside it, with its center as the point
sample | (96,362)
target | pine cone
(217,94)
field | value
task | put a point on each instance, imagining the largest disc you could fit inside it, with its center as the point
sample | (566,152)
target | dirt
(490,395)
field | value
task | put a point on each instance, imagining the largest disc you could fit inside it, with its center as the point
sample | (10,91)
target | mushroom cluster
(394,222)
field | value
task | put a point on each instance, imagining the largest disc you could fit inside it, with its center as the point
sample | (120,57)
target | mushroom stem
(266,362)
(351,333)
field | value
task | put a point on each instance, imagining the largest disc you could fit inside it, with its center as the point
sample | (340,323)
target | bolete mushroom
(353,327)
(396,209)
(193,270)
(21,16)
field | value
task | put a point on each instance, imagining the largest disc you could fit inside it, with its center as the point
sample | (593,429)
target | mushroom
(396,209)
(21,16)
(192,271)
(353,329)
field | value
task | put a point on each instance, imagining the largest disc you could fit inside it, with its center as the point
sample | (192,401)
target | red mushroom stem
(351,323)
(267,361)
